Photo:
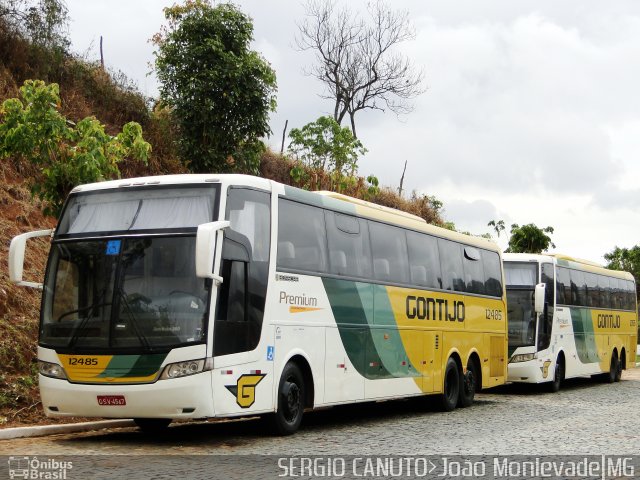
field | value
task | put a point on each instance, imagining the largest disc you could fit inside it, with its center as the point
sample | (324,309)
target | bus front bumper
(532,371)
(186,397)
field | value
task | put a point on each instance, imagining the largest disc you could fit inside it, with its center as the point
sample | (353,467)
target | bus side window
(451,264)
(389,251)
(605,292)
(424,260)
(349,247)
(473,271)
(578,288)
(302,240)
(631,295)
(245,267)
(545,327)
(562,281)
(592,289)
(492,273)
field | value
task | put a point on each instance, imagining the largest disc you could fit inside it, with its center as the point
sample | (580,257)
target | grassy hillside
(86,89)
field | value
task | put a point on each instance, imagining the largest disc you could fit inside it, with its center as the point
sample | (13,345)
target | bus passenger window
(389,251)
(578,288)
(424,260)
(451,264)
(593,291)
(302,237)
(605,292)
(348,240)
(492,273)
(473,271)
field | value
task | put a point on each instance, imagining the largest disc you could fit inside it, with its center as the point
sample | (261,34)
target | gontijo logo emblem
(245,388)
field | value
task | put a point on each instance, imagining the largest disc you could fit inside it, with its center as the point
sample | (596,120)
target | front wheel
(451,389)
(291,394)
(558,376)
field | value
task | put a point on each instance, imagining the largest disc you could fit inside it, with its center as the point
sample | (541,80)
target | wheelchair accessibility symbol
(270,350)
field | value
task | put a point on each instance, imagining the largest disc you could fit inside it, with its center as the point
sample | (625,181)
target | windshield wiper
(134,321)
(83,322)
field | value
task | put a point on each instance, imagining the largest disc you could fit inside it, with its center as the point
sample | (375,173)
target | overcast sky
(531,112)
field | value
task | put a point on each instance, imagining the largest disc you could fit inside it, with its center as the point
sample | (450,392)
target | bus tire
(619,370)
(558,376)
(291,395)
(451,387)
(468,383)
(614,368)
(152,425)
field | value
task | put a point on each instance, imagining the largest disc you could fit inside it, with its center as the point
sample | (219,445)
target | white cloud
(531,113)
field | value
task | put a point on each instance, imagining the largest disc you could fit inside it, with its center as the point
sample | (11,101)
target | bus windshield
(521,281)
(121,273)
(129,293)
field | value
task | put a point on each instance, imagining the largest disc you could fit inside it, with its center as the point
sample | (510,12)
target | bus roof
(332,200)
(354,206)
(566,261)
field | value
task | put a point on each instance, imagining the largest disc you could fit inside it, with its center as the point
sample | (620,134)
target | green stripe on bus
(133,365)
(387,340)
(584,336)
(352,317)
(368,329)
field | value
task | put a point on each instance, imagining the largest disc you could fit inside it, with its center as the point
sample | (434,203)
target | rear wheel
(619,370)
(291,394)
(558,376)
(451,390)
(468,383)
(614,369)
(152,425)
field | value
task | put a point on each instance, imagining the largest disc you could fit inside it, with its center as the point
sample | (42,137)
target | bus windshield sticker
(113,247)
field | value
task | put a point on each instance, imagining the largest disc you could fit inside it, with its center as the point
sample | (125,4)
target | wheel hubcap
(469,382)
(291,400)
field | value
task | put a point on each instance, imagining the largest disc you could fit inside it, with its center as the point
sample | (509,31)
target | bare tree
(357,60)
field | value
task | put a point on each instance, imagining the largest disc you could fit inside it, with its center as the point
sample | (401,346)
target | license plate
(111,400)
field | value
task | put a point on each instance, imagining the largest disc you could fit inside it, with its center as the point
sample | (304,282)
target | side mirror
(16,257)
(539,297)
(206,248)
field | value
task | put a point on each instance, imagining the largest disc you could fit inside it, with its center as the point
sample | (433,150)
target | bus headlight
(183,369)
(52,370)
(523,357)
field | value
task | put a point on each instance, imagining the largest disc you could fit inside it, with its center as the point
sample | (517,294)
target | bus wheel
(291,394)
(558,376)
(619,371)
(468,386)
(152,425)
(451,391)
(614,368)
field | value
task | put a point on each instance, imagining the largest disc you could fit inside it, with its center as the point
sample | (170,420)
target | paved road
(585,418)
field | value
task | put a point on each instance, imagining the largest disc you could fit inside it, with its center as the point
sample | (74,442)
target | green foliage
(44,22)
(221,92)
(326,145)
(67,154)
(529,239)
(373,189)
(498,227)
(626,259)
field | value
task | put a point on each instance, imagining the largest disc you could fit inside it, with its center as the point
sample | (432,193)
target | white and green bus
(198,296)
(568,318)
